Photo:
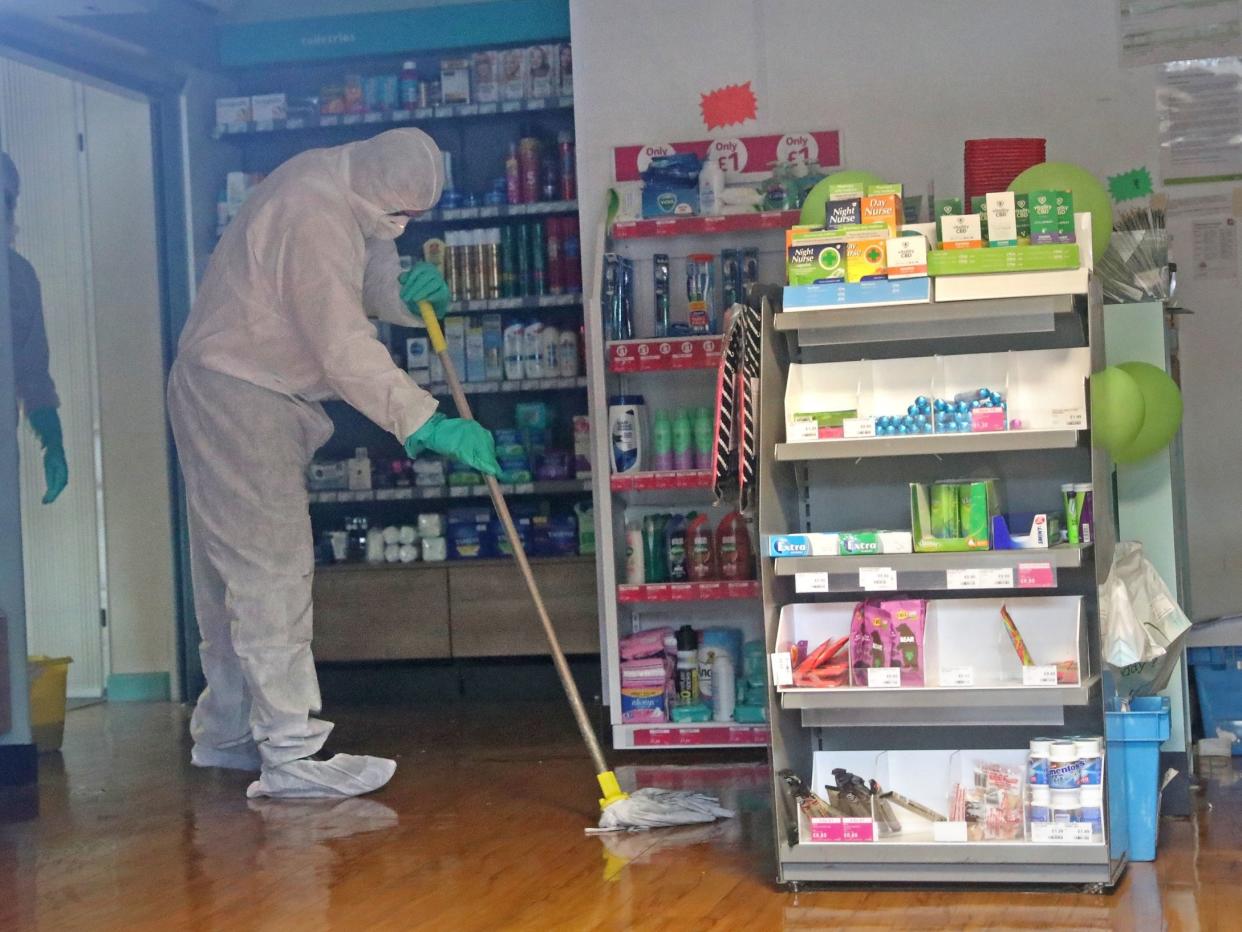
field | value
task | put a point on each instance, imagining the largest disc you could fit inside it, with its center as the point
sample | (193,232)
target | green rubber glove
(46,424)
(424,283)
(466,441)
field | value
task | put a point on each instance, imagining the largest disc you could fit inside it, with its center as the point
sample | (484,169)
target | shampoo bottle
(532,350)
(675,535)
(652,546)
(724,687)
(704,431)
(550,352)
(683,449)
(635,569)
(514,350)
(733,551)
(661,442)
(701,549)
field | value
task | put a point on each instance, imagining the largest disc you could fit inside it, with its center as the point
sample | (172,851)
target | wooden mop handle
(519,552)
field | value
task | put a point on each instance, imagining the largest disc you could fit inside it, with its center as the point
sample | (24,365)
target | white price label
(459,491)
(949,831)
(373,117)
(994,578)
(1071,418)
(877,578)
(524,488)
(803,432)
(294,123)
(858,427)
(810,582)
(958,676)
(1045,675)
(1061,833)
(883,677)
(782,668)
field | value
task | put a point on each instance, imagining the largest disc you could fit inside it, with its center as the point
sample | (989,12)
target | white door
(41,117)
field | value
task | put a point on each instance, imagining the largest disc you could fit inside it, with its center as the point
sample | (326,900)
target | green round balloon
(1162,401)
(817,197)
(1089,196)
(1117,409)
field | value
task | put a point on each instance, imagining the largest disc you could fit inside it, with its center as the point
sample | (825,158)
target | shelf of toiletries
(483,563)
(703,225)
(442,492)
(978,570)
(525,385)
(709,591)
(670,354)
(931,444)
(496,212)
(1004,806)
(400,117)
(542,302)
(661,481)
(887,645)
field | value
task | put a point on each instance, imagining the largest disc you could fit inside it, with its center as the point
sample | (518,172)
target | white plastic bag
(1139,618)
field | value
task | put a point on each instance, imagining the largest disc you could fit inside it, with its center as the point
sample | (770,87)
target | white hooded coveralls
(279,325)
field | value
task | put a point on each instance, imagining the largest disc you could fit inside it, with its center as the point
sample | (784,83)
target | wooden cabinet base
(457,609)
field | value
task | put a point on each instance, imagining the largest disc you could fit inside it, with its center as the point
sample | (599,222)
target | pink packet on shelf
(870,636)
(644,643)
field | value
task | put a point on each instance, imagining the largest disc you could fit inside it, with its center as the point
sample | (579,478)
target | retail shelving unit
(670,373)
(363,611)
(844,484)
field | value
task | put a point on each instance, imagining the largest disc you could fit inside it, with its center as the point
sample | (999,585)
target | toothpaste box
(843,212)
(476,358)
(907,256)
(455,337)
(268,108)
(865,260)
(814,259)
(493,347)
(961,231)
(1002,223)
(885,209)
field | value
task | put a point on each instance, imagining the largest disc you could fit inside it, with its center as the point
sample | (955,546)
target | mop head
(654,808)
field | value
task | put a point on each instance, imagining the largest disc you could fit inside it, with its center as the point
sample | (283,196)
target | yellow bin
(49,683)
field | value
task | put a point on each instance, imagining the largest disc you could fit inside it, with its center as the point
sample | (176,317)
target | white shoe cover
(343,775)
(243,757)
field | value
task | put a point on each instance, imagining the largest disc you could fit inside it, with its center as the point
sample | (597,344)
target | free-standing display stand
(977,704)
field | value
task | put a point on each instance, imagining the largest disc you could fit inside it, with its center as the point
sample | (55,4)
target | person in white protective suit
(280,323)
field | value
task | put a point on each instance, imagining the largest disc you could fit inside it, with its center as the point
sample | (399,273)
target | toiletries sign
(741,158)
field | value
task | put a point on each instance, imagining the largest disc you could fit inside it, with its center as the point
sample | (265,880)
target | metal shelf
(926,321)
(489,563)
(699,226)
(938,697)
(530,303)
(928,445)
(448,493)
(1062,557)
(689,735)
(392,117)
(498,212)
(499,388)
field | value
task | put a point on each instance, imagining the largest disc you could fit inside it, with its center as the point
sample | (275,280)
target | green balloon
(1162,401)
(1089,196)
(817,197)
(1117,409)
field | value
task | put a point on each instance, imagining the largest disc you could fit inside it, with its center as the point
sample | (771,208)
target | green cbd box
(945,207)
(1022,214)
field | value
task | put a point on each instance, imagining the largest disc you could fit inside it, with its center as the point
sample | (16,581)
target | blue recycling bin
(1218,684)
(1133,739)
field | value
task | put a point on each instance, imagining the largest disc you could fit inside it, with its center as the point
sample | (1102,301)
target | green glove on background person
(425,283)
(46,424)
(465,441)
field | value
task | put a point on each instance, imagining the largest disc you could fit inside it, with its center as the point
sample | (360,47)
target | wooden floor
(482,829)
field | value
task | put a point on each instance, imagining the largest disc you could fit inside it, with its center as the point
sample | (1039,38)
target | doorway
(98,571)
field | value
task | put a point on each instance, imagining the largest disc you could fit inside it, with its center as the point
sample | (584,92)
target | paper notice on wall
(1199,104)
(1215,249)
(1200,206)
(1154,31)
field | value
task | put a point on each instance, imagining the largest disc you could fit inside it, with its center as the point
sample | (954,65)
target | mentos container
(1064,768)
(1038,761)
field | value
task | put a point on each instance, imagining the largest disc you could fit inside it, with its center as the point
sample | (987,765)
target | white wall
(129,350)
(906,84)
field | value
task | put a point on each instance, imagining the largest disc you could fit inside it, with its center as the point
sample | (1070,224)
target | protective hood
(399,170)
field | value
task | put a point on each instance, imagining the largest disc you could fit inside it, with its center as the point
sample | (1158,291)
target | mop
(643,809)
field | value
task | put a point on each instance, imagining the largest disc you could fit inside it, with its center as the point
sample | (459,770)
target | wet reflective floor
(481,828)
